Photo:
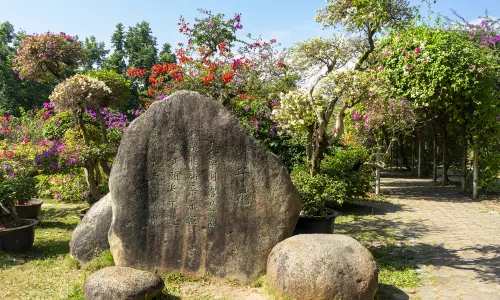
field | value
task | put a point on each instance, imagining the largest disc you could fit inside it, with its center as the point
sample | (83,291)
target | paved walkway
(457,241)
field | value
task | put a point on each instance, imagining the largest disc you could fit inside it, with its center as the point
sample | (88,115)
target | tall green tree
(140,46)
(116,61)
(94,54)
(166,55)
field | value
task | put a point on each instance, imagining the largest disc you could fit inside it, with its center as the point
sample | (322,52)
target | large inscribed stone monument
(192,192)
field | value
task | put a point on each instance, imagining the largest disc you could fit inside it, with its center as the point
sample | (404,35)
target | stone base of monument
(122,283)
(322,266)
(90,237)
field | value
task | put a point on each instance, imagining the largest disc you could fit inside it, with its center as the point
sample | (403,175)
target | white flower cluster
(80,91)
(294,114)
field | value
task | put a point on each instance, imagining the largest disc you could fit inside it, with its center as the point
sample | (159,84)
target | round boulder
(90,237)
(122,283)
(322,266)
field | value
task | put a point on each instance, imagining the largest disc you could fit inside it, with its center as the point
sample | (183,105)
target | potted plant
(16,234)
(318,193)
(26,206)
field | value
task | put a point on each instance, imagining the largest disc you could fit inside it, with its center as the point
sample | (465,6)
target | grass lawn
(385,240)
(47,271)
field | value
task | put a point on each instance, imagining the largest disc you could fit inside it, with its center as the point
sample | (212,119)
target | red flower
(208,79)
(227,77)
(222,47)
(136,72)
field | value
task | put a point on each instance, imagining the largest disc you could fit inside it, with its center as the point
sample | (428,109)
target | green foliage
(140,46)
(18,188)
(318,192)
(346,166)
(341,178)
(166,55)
(213,30)
(119,85)
(446,74)
(359,15)
(55,127)
(489,167)
(94,53)
(65,187)
(116,61)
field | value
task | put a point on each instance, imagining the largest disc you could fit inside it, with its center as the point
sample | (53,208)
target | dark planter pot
(315,224)
(82,213)
(19,239)
(29,209)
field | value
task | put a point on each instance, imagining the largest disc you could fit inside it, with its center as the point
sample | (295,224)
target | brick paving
(456,240)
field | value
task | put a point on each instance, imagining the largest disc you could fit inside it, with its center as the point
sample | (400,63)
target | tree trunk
(309,148)
(105,167)
(318,155)
(82,127)
(89,176)
(104,132)
(464,167)
(475,174)
(445,164)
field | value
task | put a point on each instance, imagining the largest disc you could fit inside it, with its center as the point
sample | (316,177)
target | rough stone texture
(192,192)
(322,266)
(122,283)
(91,236)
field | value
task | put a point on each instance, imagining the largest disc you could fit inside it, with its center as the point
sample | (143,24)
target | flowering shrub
(16,171)
(55,127)
(294,113)
(65,187)
(45,56)
(246,80)
(487,33)
(80,92)
(54,156)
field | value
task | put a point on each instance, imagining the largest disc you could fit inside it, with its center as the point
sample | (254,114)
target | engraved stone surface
(192,192)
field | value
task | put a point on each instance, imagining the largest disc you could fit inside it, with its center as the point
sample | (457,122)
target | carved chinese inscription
(192,189)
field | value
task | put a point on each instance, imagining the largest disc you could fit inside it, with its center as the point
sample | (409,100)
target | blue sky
(286,20)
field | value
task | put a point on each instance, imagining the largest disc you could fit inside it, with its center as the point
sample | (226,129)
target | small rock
(91,235)
(322,266)
(122,283)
